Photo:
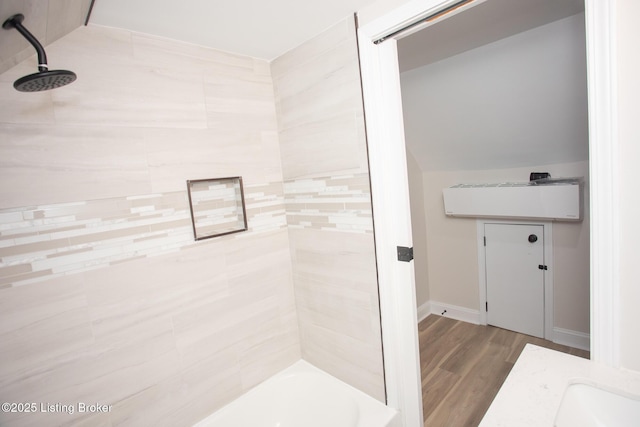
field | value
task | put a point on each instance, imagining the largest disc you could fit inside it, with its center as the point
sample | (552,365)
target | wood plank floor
(464,365)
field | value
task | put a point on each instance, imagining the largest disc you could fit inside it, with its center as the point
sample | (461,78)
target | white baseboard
(572,338)
(424,310)
(560,336)
(447,310)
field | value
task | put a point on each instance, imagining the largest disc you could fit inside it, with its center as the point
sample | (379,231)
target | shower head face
(44,80)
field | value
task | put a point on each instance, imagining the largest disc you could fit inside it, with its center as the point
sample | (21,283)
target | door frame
(547,274)
(384,125)
(392,228)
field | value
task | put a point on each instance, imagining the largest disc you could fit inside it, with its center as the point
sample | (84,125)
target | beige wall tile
(221,384)
(238,114)
(155,337)
(337,305)
(309,149)
(263,354)
(97,373)
(320,119)
(119,90)
(64,16)
(320,106)
(338,309)
(342,259)
(352,361)
(60,164)
(17,109)
(100,373)
(116,100)
(134,101)
(175,156)
(44,342)
(24,305)
(141,317)
(334,68)
(190,58)
(151,406)
(41,326)
(152,287)
(183,399)
(93,48)
(313,48)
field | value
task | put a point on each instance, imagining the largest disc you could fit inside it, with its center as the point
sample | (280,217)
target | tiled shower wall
(327,194)
(104,295)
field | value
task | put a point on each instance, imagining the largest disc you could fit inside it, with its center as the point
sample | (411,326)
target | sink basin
(587,405)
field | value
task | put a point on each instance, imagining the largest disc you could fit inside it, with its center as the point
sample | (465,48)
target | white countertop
(531,394)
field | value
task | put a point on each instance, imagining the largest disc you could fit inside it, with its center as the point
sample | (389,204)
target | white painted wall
(452,253)
(628,40)
(516,102)
(418,230)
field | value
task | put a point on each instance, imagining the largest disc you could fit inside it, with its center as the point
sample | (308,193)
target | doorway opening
(505,98)
(381,88)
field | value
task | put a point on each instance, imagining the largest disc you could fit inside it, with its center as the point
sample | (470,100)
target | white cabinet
(560,200)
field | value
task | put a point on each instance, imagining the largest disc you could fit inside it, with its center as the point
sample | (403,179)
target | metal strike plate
(405,254)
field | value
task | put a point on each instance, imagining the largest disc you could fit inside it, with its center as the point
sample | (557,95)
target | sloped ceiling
(482,24)
(480,93)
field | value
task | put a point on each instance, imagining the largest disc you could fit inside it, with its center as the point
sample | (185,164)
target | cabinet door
(514,257)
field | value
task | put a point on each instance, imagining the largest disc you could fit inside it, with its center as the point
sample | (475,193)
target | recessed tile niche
(217,207)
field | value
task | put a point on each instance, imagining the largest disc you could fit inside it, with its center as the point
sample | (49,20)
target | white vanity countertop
(531,394)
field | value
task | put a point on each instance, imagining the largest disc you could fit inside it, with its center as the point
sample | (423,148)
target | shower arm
(16,22)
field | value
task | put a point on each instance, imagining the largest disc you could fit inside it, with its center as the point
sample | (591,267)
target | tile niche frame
(217,207)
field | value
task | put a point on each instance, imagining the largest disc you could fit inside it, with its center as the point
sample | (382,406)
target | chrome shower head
(44,79)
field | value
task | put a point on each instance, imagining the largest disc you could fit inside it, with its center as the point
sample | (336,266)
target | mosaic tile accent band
(41,242)
(336,203)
